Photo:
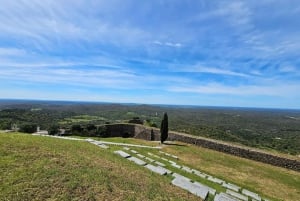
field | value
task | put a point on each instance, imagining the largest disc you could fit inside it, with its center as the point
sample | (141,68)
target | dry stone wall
(142,132)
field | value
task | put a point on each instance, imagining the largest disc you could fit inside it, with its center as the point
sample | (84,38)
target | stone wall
(142,132)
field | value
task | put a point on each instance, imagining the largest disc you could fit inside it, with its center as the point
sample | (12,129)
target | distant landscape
(272,129)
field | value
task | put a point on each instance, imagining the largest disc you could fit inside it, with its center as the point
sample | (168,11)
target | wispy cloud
(208,48)
(211,70)
(277,90)
(169,44)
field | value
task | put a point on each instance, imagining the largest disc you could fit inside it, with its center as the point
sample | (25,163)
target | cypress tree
(164,128)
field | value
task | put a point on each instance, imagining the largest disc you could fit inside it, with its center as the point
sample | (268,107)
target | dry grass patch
(273,182)
(40,168)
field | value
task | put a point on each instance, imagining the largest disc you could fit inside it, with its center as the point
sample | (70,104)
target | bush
(28,128)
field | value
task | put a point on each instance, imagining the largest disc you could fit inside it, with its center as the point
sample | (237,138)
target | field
(41,168)
(270,129)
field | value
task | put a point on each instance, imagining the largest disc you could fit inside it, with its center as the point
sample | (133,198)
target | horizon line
(151,104)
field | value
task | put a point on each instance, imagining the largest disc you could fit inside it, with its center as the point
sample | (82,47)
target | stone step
(237,195)
(137,161)
(191,187)
(122,154)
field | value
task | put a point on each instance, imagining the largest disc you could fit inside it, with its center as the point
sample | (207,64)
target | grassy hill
(40,168)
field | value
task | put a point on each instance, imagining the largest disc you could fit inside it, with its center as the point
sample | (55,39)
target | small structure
(41,132)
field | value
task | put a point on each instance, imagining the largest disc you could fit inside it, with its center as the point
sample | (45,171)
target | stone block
(103,146)
(237,195)
(160,164)
(122,154)
(156,169)
(172,162)
(149,159)
(191,187)
(140,155)
(231,186)
(133,151)
(164,159)
(126,148)
(187,169)
(199,174)
(175,165)
(215,180)
(150,154)
(251,194)
(180,176)
(225,197)
(137,161)
(210,190)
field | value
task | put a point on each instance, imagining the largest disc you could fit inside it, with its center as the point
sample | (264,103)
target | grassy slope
(272,182)
(39,168)
(269,181)
(66,170)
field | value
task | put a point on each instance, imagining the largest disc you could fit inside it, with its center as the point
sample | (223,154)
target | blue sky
(217,53)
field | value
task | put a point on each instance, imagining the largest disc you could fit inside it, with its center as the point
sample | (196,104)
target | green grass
(269,181)
(42,168)
(81,119)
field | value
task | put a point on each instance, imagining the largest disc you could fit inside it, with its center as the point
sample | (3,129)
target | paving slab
(187,169)
(172,162)
(160,164)
(191,187)
(140,155)
(126,148)
(122,154)
(137,161)
(65,138)
(199,174)
(149,159)
(165,169)
(224,197)
(251,194)
(133,151)
(156,169)
(128,145)
(103,146)
(175,165)
(210,190)
(216,180)
(176,175)
(164,159)
(231,186)
(237,195)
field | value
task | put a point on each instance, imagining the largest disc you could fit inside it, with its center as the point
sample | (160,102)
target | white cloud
(199,68)
(277,90)
(169,44)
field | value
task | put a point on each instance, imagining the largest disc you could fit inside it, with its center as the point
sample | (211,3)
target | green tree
(53,130)
(152,136)
(164,128)
(76,129)
(28,128)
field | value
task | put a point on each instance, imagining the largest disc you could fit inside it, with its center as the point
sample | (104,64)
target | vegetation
(68,170)
(164,128)
(263,128)
(39,168)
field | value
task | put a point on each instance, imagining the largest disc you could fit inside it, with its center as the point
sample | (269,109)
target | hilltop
(40,168)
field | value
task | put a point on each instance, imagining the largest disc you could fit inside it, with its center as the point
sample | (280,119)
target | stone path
(233,192)
(197,190)
(129,145)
